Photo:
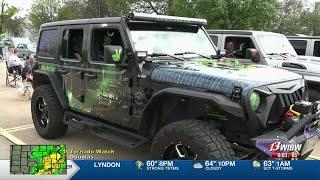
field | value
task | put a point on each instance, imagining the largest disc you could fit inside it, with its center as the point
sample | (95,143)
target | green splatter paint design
(116,55)
(47,68)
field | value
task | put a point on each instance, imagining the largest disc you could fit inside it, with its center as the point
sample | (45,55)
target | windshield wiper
(201,55)
(275,54)
(164,54)
(287,54)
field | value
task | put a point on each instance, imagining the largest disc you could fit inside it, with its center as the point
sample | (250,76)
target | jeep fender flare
(42,77)
(149,121)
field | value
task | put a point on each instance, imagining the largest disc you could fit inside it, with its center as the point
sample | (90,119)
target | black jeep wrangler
(151,78)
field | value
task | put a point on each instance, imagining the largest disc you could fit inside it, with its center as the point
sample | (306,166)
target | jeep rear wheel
(191,139)
(47,113)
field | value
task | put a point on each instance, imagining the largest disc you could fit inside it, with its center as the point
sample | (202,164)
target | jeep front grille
(289,99)
(281,105)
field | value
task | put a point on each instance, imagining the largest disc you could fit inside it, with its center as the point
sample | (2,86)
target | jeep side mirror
(113,54)
(252,54)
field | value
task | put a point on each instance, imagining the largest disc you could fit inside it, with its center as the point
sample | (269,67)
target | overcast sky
(25,5)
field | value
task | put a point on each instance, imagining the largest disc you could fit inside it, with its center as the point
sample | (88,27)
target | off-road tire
(55,127)
(202,137)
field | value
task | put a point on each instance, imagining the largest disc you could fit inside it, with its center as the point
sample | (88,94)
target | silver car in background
(271,49)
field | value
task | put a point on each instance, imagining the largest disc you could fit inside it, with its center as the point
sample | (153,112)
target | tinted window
(48,43)
(236,47)
(214,39)
(300,46)
(102,37)
(316,50)
(72,42)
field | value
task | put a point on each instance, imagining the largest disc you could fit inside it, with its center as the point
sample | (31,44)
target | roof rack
(166,19)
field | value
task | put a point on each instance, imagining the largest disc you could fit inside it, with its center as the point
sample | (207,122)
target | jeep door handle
(63,71)
(91,76)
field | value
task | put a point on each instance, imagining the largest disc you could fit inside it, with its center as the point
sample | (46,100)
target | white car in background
(306,45)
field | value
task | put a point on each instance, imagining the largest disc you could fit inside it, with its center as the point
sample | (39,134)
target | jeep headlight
(254,101)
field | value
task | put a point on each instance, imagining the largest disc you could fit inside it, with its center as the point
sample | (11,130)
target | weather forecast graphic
(38,159)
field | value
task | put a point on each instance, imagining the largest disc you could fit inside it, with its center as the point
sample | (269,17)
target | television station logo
(285,150)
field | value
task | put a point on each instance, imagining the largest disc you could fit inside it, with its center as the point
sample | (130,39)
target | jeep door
(107,92)
(72,64)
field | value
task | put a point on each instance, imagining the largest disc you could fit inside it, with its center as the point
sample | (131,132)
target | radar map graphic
(38,159)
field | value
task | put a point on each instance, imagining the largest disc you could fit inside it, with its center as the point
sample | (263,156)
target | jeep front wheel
(192,140)
(47,113)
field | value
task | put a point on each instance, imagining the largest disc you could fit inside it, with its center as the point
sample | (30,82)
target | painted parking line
(11,137)
(19,128)
(314,157)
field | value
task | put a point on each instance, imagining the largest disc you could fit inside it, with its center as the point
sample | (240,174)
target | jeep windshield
(276,45)
(171,39)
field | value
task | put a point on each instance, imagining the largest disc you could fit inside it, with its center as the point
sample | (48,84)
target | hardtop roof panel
(83,21)
(303,37)
(241,32)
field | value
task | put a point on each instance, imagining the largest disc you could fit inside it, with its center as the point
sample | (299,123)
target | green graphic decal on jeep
(72,87)
(47,68)
(116,55)
(106,93)
(70,98)
(226,64)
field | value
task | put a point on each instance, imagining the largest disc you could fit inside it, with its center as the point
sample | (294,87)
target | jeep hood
(308,66)
(220,76)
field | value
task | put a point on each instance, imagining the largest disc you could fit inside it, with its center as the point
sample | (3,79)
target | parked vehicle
(306,45)
(153,78)
(271,49)
(23,44)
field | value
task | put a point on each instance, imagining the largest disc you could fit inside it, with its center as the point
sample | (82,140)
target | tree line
(284,16)
(8,20)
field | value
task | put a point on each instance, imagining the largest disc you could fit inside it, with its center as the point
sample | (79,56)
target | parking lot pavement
(17,128)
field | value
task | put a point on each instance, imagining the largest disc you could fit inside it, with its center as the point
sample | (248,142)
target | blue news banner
(211,169)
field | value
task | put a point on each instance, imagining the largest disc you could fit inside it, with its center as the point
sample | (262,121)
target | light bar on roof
(164,18)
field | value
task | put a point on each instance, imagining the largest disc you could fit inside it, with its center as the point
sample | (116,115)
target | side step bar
(105,131)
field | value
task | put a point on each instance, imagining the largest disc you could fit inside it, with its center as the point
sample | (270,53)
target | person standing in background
(1,50)
(28,67)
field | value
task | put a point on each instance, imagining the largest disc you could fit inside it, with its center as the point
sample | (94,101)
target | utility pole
(1,16)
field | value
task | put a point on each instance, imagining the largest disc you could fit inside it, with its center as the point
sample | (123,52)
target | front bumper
(300,139)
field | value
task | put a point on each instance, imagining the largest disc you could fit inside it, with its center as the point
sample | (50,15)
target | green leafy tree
(15,26)
(233,14)
(9,21)
(311,21)
(291,13)
(43,11)
(78,10)
(94,8)
(153,6)
(119,7)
